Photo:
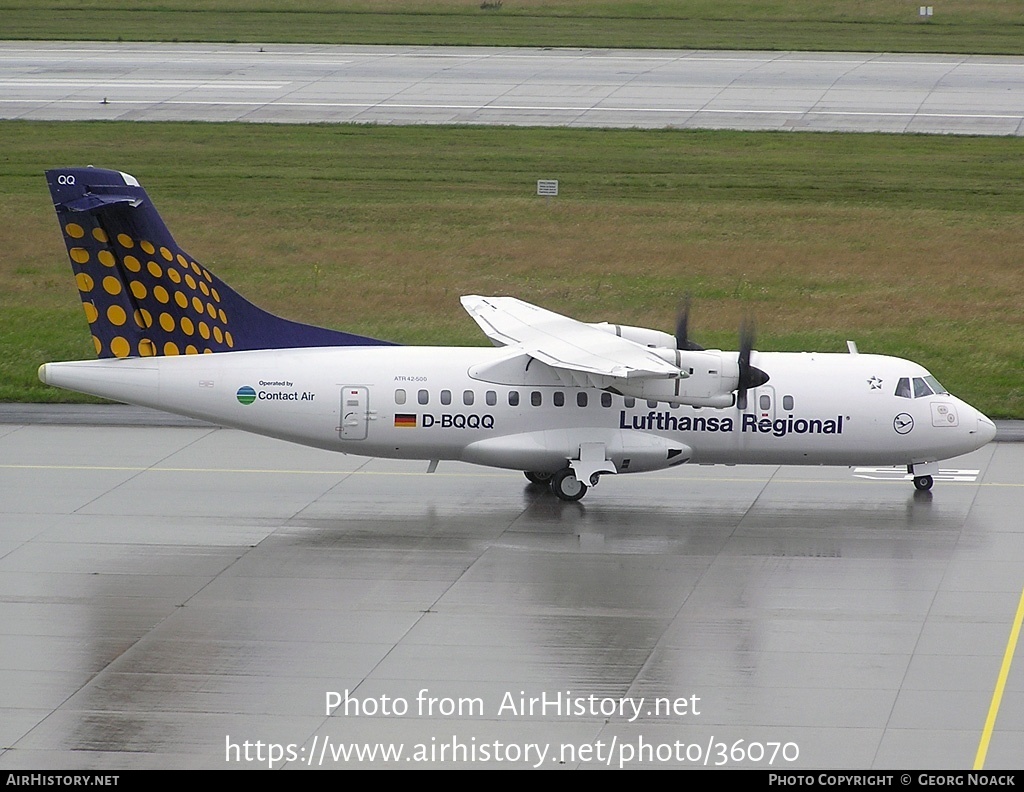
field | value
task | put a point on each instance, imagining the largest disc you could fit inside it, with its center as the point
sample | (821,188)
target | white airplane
(564,401)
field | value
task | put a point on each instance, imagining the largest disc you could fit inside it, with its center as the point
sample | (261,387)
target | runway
(850,92)
(171,593)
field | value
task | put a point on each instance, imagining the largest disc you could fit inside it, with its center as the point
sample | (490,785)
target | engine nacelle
(708,378)
(639,335)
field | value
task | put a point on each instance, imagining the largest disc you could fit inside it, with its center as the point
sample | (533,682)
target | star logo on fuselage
(875,383)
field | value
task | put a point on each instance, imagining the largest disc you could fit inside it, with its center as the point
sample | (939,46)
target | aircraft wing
(562,342)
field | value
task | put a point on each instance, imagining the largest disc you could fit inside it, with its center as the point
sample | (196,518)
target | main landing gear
(563,483)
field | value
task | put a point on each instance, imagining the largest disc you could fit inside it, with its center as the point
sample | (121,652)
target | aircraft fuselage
(430,403)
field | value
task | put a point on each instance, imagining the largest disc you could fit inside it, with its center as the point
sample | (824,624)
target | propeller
(682,320)
(750,376)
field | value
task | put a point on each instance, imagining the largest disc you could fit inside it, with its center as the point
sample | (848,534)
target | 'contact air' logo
(246,395)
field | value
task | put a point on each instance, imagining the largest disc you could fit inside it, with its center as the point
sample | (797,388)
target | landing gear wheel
(537,478)
(566,486)
(923,483)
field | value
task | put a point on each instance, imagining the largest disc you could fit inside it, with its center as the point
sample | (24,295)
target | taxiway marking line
(997,694)
(496,474)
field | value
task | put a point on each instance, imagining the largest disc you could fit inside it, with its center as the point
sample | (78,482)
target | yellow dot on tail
(216,295)
(211,310)
(84,282)
(147,317)
(174,275)
(187,327)
(204,330)
(196,269)
(138,290)
(170,348)
(191,282)
(132,264)
(74,230)
(154,269)
(79,255)
(204,289)
(106,258)
(125,241)
(96,343)
(230,341)
(207,276)
(218,335)
(116,314)
(147,348)
(148,247)
(100,235)
(198,305)
(111,285)
(223,316)
(90,312)
(161,294)
(120,347)
(181,299)
(191,350)
(168,256)
(167,322)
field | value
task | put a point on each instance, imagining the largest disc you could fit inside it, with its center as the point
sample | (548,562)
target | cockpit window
(917,387)
(921,388)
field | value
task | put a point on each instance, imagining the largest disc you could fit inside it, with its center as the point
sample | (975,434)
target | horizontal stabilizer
(89,202)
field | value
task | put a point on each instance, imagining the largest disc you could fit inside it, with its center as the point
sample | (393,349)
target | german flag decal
(405,420)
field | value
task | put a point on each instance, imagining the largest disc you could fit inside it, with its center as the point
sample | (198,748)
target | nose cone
(986,430)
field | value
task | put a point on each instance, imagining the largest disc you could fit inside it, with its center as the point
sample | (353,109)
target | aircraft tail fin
(145,296)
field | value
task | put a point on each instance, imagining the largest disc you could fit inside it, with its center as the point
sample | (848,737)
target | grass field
(971,26)
(910,245)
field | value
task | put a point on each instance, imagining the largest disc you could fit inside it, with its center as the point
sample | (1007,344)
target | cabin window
(629,401)
(787,402)
(446,397)
(535,398)
(765,401)
(491,398)
(423,397)
(581,398)
(559,399)
(606,399)
(652,403)
(400,396)
(467,397)
(513,398)
(903,388)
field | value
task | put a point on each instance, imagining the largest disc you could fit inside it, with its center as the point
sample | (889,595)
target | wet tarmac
(187,596)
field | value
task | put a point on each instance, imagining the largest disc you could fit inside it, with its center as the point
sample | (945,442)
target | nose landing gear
(922,474)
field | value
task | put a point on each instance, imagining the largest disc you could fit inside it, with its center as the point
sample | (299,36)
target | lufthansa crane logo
(903,423)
